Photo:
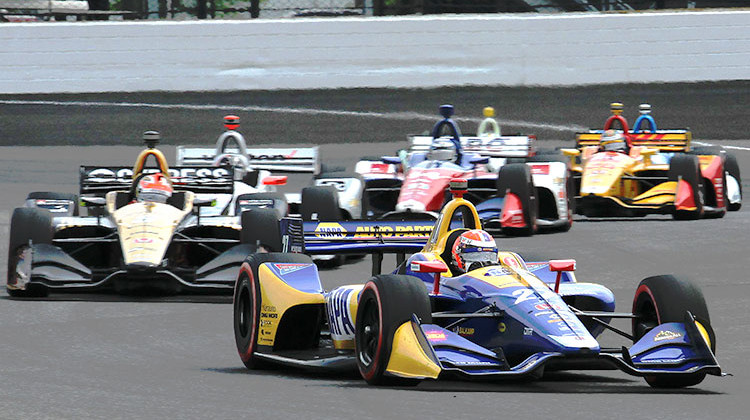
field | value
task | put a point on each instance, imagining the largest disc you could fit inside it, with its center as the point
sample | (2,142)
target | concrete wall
(517,50)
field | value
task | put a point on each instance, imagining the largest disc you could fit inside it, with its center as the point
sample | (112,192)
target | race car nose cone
(140,269)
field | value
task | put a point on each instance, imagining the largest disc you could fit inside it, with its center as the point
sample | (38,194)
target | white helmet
(442,150)
(613,141)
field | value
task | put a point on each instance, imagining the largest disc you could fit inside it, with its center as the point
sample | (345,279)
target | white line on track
(308,111)
(702,143)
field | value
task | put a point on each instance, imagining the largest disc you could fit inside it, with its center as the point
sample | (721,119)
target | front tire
(516,179)
(27,224)
(246,319)
(48,195)
(666,298)
(386,302)
(733,168)
(247,304)
(687,167)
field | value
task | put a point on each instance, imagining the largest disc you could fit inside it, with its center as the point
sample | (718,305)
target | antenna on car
(151,139)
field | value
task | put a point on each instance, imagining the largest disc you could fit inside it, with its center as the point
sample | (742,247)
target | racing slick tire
(731,166)
(261,226)
(688,167)
(733,169)
(386,302)
(27,224)
(247,304)
(337,180)
(278,202)
(326,168)
(321,203)
(56,196)
(666,298)
(516,178)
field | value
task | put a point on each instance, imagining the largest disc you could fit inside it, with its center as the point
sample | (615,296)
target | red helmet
(154,187)
(472,247)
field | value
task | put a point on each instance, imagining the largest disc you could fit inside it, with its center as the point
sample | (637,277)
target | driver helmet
(153,188)
(442,150)
(613,141)
(474,249)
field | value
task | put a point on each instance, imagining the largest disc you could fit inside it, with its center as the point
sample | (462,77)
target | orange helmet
(154,187)
(474,247)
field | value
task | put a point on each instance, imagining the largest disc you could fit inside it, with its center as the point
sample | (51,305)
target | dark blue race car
(428,319)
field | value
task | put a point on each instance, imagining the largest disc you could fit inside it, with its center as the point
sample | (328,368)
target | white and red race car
(514,190)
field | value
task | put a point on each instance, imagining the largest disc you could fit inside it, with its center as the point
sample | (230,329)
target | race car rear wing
(99,180)
(503,146)
(355,237)
(298,159)
(664,140)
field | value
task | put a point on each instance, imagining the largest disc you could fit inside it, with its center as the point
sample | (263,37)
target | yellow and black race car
(623,172)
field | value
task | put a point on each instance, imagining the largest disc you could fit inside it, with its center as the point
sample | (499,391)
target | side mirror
(479,160)
(428,266)
(559,266)
(648,152)
(562,265)
(435,266)
(93,201)
(198,202)
(275,180)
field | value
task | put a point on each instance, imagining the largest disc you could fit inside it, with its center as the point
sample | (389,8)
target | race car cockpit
(446,146)
(155,186)
(458,216)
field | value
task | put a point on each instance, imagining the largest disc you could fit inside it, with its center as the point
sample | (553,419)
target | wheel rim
(369,333)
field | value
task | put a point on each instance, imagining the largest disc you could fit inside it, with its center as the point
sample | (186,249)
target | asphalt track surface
(108,357)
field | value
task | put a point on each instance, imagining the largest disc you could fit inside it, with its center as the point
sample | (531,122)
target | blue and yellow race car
(438,315)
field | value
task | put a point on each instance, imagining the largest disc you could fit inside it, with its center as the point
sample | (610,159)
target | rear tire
(666,298)
(56,196)
(688,167)
(516,178)
(278,200)
(733,168)
(320,203)
(386,302)
(261,226)
(27,224)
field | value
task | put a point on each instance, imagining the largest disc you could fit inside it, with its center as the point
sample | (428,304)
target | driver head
(613,141)
(153,188)
(474,249)
(238,163)
(442,150)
